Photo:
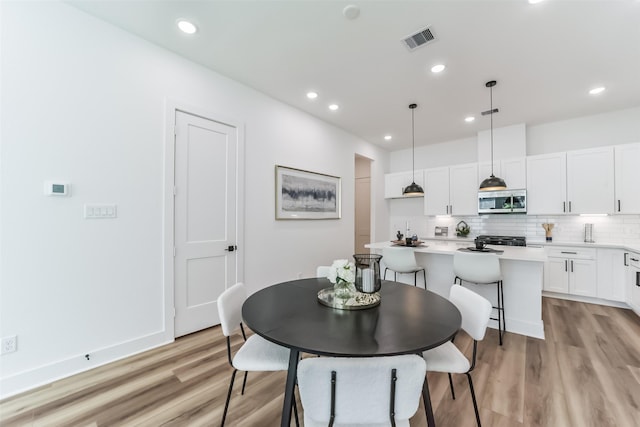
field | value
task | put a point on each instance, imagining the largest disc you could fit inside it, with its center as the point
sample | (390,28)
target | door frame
(168,218)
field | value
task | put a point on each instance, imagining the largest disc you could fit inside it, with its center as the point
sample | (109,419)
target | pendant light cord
(491,124)
(413,148)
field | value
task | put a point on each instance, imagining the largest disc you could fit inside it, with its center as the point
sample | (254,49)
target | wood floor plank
(586,373)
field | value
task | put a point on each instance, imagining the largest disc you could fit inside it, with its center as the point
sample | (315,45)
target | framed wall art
(302,194)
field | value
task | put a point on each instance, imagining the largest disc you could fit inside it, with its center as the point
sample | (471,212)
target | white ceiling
(545,57)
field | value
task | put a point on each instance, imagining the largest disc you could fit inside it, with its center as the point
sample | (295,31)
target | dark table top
(408,320)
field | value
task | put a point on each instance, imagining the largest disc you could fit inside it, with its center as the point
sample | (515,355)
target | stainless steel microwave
(502,201)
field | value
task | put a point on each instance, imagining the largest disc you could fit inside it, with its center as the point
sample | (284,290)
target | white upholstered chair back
(477,267)
(230,308)
(475,311)
(401,260)
(363,389)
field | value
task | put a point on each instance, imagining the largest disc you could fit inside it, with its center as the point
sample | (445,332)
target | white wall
(616,127)
(85,102)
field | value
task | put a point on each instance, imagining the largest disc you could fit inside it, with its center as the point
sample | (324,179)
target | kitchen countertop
(449,247)
(635,247)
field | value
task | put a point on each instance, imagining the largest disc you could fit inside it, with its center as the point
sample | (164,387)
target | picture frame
(302,194)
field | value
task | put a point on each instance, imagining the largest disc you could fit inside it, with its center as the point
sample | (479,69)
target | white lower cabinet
(633,281)
(571,271)
(611,264)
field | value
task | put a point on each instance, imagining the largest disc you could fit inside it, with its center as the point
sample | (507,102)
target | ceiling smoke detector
(421,38)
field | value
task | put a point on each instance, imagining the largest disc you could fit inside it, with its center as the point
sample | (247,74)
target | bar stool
(402,260)
(482,269)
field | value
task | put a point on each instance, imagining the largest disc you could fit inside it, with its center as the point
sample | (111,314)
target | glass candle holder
(368,273)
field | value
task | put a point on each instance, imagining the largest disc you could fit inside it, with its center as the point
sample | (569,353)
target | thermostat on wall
(56,188)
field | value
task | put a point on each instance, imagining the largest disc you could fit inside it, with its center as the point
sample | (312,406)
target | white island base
(522,272)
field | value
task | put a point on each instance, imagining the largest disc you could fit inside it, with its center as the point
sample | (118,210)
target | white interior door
(205,219)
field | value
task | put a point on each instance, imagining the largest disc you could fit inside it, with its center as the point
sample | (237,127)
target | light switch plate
(100,211)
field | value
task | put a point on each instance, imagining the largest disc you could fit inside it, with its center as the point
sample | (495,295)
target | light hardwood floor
(586,373)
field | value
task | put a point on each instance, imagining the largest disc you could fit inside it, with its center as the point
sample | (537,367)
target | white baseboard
(45,374)
(590,300)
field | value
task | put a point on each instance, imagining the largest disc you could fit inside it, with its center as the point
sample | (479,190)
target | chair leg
(504,320)
(384,276)
(295,410)
(424,275)
(415,278)
(244,382)
(226,404)
(453,393)
(499,309)
(473,397)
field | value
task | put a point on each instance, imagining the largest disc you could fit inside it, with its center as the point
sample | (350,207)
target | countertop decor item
(462,229)
(547,229)
(492,183)
(413,189)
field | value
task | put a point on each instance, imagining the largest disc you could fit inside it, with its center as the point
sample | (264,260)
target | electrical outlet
(9,344)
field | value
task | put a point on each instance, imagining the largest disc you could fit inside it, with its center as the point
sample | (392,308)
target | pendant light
(413,189)
(492,183)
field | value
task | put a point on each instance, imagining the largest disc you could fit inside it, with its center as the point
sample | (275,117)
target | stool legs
(502,325)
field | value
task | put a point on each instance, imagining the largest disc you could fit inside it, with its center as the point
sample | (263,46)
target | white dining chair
(402,260)
(370,391)
(256,353)
(475,311)
(482,269)
(322,271)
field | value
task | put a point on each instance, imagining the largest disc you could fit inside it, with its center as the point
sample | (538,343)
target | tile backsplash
(606,229)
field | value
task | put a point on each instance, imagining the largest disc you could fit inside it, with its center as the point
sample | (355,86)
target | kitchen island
(522,272)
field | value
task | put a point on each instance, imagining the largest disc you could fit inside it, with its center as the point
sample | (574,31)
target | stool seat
(402,260)
(482,269)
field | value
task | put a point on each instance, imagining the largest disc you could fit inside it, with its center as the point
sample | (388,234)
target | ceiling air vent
(420,38)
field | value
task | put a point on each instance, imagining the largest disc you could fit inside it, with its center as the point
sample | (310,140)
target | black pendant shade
(413,189)
(492,183)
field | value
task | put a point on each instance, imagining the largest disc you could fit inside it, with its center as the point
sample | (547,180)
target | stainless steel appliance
(502,202)
(503,240)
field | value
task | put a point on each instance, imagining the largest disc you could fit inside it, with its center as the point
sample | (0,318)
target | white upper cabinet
(513,171)
(627,167)
(590,181)
(436,190)
(451,190)
(395,183)
(576,182)
(547,184)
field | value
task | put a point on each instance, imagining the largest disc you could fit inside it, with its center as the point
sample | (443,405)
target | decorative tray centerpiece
(357,300)
(413,244)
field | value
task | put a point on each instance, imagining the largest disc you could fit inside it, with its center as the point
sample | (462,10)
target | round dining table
(408,320)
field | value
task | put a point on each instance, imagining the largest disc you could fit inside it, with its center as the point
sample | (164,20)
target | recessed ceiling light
(437,68)
(596,90)
(351,11)
(186,26)
(333,107)
(469,119)
(312,95)
(387,137)
(535,1)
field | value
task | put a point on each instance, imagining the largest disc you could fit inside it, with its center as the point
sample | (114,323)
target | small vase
(343,290)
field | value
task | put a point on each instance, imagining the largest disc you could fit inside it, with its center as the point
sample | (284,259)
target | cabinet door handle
(567,252)
(635,259)
(572,266)
(569,205)
(566,268)
(564,206)
(618,205)
(626,259)
(638,278)
(451,209)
